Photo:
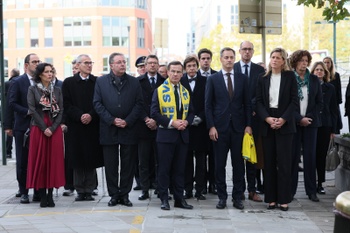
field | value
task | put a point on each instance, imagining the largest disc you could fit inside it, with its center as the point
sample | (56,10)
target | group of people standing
(159,123)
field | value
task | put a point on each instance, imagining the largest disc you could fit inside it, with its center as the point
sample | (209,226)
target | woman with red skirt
(46,151)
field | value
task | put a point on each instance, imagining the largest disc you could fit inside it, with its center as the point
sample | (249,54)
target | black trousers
(84,180)
(21,161)
(119,184)
(171,165)
(195,175)
(68,172)
(305,138)
(9,140)
(232,141)
(147,162)
(323,138)
(277,149)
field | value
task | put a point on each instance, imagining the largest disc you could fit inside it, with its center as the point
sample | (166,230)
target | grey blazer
(35,110)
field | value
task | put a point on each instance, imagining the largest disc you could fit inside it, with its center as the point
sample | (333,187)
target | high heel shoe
(284,208)
(271,206)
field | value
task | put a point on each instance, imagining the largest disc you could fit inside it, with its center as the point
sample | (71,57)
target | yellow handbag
(248,148)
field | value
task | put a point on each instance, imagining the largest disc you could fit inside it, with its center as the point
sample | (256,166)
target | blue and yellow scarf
(166,97)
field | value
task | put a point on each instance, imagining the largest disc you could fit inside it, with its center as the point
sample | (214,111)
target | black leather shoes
(88,197)
(284,208)
(188,195)
(182,204)
(113,202)
(165,205)
(24,199)
(314,198)
(80,197)
(137,187)
(212,189)
(18,194)
(238,204)
(271,206)
(144,195)
(320,190)
(221,204)
(125,201)
(200,196)
(36,197)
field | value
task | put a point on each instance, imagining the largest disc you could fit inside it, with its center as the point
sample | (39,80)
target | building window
(48,32)
(77,31)
(117,3)
(105,68)
(34,32)
(49,60)
(19,4)
(140,33)
(141,4)
(20,33)
(115,31)
(218,14)
(33,4)
(4,24)
(234,15)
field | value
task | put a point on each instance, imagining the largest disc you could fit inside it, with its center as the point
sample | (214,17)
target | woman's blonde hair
(284,55)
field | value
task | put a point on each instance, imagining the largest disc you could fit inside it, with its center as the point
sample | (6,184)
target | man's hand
(179,124)
(85,118)
(213,134)
(64,128)
(152,124)
(305,121)
(249,130)
(119,123)
(9,132)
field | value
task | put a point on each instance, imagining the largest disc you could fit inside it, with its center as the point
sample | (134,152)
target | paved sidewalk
(146,216)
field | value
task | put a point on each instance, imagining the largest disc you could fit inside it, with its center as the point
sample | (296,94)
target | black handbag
(332,158)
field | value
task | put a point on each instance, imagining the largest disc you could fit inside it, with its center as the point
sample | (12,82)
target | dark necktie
(177,101)
(229,85)
(153,83)
(246,70)
(192,79)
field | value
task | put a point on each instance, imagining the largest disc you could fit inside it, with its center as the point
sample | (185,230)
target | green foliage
(332,10)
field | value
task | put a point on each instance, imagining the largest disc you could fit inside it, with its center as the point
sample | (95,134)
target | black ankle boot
(43,198)
(50,202)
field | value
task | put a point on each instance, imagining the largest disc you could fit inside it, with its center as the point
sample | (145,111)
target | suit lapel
(282,85)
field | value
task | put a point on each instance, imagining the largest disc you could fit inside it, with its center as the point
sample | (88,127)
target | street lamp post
(129,65)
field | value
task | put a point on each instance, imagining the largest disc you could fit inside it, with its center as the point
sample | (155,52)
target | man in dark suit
(251,70)
(171,110)
(9,115)
(199,138)
(205,58)
(118,101)
(147,127)
(228,113)
(18,103)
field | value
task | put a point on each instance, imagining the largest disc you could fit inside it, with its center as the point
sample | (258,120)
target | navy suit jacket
(18,102)
(315,103)
(164,134)
(255,71)
(147,93)
(220,111)
(288,101)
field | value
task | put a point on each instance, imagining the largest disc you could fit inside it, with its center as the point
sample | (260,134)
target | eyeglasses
(247,49)
(152,63)
(35,62)
(87,63)
(119,62)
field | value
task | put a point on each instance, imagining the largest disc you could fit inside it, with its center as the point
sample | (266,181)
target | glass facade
(20,33)
(115,31)
(140,33)
(77,31)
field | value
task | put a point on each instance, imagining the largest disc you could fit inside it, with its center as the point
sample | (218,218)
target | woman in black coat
(277,101)
(335,81)
(329,121)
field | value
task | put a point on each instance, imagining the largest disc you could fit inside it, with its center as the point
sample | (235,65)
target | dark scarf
(48,100)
